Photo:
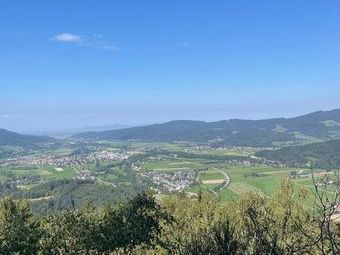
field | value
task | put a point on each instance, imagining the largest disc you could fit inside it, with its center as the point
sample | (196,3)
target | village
(66,160)
(170,181)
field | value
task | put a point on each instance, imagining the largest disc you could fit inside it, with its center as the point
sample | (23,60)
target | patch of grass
(267,185)
(209,186)
(240,187)
(172,165)
(68,172)
(194,189)
(211,175)
(227,195)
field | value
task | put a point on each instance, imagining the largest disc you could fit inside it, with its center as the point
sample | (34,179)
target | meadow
(262,179)
(209,163)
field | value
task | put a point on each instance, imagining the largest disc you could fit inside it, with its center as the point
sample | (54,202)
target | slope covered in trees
(319,155)
(261,133)
(252,225)
(8,138)
(68,194)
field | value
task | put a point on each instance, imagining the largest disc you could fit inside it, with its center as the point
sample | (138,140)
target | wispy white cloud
(95,41)
(67,37)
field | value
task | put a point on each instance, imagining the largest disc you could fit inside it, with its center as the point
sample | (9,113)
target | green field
(172,164)
(264,180)
(227,194)
(211,174)
(176,157)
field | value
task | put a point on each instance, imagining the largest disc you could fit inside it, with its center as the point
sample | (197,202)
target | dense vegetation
(67,194)
(8,138)
(319,155)
(257,133)
(107,212)
(253,224)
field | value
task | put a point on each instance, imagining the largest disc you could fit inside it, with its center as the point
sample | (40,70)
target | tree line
(254,224)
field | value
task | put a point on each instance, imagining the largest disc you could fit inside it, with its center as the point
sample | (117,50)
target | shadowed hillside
(314,127)
(320,155)
(8,138)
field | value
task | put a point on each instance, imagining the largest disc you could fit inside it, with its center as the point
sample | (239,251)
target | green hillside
(320,155)
(314,127)
(8,138)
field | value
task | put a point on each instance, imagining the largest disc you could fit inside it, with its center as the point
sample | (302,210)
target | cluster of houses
(24,180)
(171,181)
(84,175)
(67,160)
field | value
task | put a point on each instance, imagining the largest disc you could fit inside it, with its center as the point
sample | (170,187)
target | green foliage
(319,155)
(67,233)
(235,132)
(136,223)
(273,226)
(15,139)
(254,224)
(19,231)
(199,227)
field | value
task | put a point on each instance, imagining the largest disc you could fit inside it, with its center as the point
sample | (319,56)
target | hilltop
(314,127)
(8,138)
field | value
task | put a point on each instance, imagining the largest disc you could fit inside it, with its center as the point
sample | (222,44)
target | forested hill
(314,127)
(319,155)
(8,138)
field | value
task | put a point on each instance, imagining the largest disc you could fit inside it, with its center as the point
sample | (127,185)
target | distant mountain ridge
(9,138)
(313,127)
(318,155)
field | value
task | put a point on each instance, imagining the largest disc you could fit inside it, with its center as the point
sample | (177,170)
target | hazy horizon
(78,129)
(80,65)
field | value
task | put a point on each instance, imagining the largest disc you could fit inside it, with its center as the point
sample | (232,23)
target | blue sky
(75,64)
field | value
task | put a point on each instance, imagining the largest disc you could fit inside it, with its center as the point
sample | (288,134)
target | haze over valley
(169,127)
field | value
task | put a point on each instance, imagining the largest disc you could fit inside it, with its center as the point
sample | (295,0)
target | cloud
(95,41)
(67,37)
